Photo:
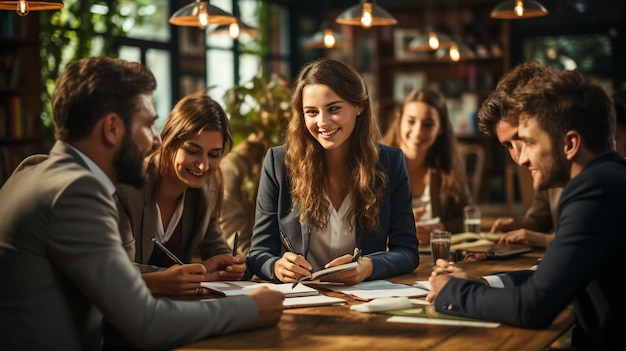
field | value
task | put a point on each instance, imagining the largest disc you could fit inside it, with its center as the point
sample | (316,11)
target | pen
(357,255)
(167,252)
(286,241)
(290,247)
(235,244)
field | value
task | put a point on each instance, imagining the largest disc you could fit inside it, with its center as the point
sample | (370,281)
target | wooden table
(337,328)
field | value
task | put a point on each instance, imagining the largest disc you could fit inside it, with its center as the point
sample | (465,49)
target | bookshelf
(21,129)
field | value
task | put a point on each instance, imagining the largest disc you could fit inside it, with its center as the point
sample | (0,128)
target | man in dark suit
(62,265)
(566,125)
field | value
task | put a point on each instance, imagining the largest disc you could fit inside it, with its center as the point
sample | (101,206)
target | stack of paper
(299,296)
(233,288)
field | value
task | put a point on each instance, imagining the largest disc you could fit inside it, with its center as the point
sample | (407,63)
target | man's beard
(558,173)
(129,163)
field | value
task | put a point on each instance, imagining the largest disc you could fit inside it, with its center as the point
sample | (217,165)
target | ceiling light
(325,38)
(235,30)
(366,14)
(518,9)
(201,14)
(430,42)
(23,7)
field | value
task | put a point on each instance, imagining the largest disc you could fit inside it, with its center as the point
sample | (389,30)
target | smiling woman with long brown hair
(332,188)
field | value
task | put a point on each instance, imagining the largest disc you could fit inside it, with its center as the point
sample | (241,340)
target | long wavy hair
(442,156)
(304,159)
(192,115)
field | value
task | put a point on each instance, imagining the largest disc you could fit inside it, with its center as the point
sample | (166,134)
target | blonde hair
(304,160)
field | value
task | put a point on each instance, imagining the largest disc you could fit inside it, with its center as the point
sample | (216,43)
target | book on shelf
(234,288)
(426,314)
(12,117)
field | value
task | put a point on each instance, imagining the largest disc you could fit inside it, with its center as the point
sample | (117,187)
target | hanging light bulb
(519,8)
(200,14)
(203,15)
(22,8)
(366,15)
(233,30)
(433,41)
(455,55)
(329,38)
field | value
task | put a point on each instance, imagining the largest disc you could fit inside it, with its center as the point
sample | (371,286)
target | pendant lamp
(23,7)
(235,30)
(518,9)
(366,14)
(201,14)
(325,38)
(431,41)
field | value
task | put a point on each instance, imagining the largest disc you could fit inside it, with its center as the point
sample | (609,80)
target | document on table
(366,291)
(427,315)
(233,288)
(309,301)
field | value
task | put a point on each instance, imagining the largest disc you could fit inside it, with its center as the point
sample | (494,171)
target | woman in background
(332,188)
(439,189)
(180,203)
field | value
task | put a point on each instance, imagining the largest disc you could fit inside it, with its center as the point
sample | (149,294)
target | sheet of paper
(233,288)
(418,320)
(377,288)
(308,301)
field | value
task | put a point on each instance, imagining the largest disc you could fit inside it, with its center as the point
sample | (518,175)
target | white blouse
(338,239)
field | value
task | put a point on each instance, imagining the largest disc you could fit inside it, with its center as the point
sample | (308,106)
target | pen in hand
(235,244)
(167,252)
(290,247)
(357,255)
(286,241)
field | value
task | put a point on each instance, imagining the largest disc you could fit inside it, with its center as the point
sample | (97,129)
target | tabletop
(337,328)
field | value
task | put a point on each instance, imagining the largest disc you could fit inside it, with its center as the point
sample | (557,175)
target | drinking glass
(440,244)
(472,219)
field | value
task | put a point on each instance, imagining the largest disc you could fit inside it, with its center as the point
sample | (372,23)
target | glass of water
(472,219)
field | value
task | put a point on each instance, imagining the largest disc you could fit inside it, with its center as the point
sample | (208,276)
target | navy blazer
(583,266)
(392,248)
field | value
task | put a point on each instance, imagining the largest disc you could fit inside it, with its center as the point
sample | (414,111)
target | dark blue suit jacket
(392,248)
(583,266)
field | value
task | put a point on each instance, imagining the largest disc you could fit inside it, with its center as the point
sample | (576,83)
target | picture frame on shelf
(402,37)
(405,82)
(364,51)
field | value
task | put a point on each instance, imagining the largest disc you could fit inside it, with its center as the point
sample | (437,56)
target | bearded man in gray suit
(62,265)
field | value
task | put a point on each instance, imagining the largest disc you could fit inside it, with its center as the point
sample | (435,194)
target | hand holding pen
(169,253)
(291,265)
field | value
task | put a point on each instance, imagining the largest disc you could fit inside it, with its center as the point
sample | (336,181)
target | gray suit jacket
(392,247)
(200,224)
(63,269)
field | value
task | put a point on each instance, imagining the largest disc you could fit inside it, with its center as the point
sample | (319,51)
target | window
(231,62)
